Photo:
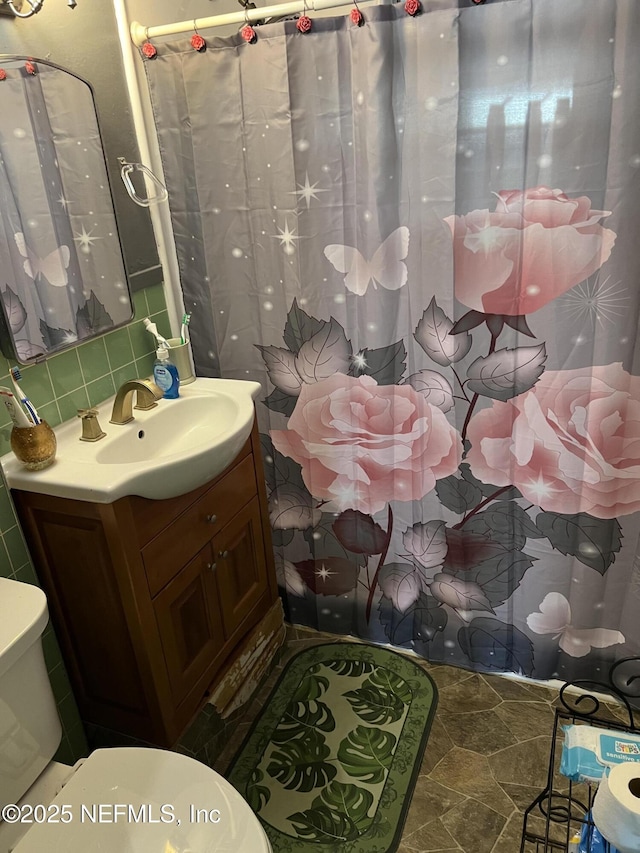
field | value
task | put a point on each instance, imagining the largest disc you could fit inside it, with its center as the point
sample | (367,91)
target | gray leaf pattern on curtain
(419,235)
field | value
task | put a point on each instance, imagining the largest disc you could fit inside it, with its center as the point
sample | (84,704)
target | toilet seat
(203,812)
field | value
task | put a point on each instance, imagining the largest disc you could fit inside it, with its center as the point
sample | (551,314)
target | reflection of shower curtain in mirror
(62,280)
(421,236)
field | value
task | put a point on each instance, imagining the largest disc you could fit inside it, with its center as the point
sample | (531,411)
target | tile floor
(485,761)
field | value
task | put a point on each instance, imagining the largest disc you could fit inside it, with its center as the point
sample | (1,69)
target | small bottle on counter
(165,374)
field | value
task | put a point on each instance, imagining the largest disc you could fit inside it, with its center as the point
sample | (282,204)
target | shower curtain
(420,235)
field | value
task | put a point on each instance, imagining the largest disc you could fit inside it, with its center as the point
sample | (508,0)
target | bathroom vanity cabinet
(151,599)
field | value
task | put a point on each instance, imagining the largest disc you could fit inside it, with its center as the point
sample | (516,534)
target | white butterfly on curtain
(53,267)
(386,267)
(554,617)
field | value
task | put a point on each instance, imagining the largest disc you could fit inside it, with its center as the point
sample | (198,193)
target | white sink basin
(164,452)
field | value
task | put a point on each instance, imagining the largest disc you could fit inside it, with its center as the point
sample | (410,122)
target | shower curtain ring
(148,50)
(247,32)
(356,15)
(304,22)
(197,42)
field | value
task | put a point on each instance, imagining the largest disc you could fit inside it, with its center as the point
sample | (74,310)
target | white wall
(154,12)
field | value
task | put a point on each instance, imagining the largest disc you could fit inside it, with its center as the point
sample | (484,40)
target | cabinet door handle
(211,519)
(223,554)
(212,566)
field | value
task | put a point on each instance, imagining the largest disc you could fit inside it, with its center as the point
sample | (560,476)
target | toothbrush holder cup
(180,355)
(34,446)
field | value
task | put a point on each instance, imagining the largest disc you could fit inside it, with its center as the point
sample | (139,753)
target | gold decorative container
(34,446)
(179,356)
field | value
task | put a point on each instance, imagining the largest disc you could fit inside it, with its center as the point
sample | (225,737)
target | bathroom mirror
(62,276)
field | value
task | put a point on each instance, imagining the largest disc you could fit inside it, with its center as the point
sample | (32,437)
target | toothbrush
(151,327)
(26,402)
(16,412)
(184,331)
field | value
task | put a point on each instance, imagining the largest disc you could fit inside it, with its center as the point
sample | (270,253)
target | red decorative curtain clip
(357,18)
(477,2)
(247,32)
(149,50)
(413,7)
(304,22)
(197,42)
(3,74)
(30,68)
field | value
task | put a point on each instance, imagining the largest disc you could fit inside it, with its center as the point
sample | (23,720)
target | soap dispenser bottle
(165,374)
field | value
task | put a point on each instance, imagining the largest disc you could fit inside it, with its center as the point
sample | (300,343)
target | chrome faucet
(147,392)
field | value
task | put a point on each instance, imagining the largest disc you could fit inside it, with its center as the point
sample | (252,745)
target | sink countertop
(164,452)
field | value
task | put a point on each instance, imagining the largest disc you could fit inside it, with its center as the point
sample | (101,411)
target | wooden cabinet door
(241,566)
(189,624)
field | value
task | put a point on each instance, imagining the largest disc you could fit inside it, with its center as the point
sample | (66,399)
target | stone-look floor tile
(480,731)
(438,745)
(404,849)
(446,676)
(430,801)
(291,633)
(509,688)
(474,826)
(262,696)
(524,763)
(617,712)
(522,795)
(234,742)
(554,831)
(292,648)
(526,719)
(429,838)
(472,694)
(580,792)
(540,692)
(511,836)
(587,707)
(469,773)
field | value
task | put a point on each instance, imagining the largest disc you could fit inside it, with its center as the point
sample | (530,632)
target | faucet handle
(91,429)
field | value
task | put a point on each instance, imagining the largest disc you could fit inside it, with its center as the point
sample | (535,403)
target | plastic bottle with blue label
(165,374)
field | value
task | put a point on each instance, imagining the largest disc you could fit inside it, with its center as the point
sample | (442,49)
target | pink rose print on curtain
(570,444)
(535,246)
(362,445)
(361,435)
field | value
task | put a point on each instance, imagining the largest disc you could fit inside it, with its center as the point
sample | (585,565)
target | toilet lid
(135,800)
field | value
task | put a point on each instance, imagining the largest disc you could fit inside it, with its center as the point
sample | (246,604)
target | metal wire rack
(561,809)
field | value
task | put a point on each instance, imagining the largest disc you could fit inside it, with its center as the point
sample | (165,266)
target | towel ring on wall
(125,173)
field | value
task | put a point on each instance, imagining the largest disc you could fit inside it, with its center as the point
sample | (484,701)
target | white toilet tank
(30,730)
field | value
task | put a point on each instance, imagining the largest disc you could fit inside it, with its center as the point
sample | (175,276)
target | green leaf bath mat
(331,763)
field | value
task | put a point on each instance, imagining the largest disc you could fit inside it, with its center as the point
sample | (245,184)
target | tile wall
(75,379)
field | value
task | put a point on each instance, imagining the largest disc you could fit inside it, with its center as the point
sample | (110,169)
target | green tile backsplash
(84,376)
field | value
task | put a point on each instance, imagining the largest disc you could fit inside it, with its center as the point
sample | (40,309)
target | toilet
(126,799)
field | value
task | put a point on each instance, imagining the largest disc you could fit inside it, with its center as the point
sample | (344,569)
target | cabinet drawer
(165,555)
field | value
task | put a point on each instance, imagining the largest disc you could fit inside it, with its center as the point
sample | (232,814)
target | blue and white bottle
(165,374)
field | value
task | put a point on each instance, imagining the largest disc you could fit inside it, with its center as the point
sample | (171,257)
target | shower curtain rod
(140,33)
